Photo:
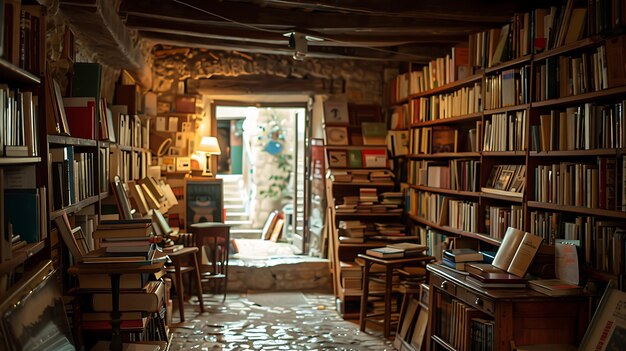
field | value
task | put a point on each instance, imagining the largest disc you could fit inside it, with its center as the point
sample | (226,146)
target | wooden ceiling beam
(379,38)
(279,19)
(416,54)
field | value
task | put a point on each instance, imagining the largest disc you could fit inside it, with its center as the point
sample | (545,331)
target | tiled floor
(272,321)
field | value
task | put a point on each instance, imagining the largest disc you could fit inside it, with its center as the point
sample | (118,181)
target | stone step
(234,207)
(247,222)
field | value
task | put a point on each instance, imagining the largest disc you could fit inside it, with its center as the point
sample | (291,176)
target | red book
(106,325)
(374,158)
(81,116)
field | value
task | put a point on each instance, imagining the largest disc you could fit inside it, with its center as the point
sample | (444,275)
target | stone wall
(361,81)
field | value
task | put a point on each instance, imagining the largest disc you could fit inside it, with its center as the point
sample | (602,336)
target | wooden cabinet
(522,316)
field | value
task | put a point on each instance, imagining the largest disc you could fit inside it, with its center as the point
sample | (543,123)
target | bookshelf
(356,171)
(547,142)
(23,195)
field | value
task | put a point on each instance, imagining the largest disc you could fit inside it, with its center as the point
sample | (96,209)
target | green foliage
(279,182)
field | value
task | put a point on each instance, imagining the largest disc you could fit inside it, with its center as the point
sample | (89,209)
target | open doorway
(262,164)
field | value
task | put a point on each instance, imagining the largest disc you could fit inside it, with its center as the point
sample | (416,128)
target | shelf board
(360,184)
(446,155)
(577,209)
(506,109)
(68,140)
(480,236)
(449,87)
(75,207)
(509,64)
(121,147)
(369,214)
(19,256)
(19,160)
(13,74)
(456,119)
(581,98)
(349,126)
(445,191)
(581,44)
(502,195)
(574,153)
(504,153)
(355,147)
(365,245)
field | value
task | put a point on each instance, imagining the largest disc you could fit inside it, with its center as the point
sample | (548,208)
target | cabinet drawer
(443,284)
(476,300)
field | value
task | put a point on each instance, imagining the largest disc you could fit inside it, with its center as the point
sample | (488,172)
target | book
(462,255)
(103,281)
(81,116)
(149,300)
(517,251)
(454,265)
(473,280)
(385,252)
(101,255)
(479,268)
(498,277)
(374,133)
(555,287)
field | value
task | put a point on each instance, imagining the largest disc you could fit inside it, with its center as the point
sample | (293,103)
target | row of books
(442,139)
(24,30)
(463,215)
(429,206)
(578,184)
(72,176)
(18,123)
(564,76)
(400,117)
(499,218)
(465,100)
(506,132)
(129,130)
(456,174)
(456,324)
(128,165)
(509,88)
(586,127)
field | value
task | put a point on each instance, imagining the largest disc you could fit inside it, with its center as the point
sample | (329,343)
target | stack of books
(123,241)
(381,176)
(457,258)
(491,280)
(351,231)
(397,250)
(368,196)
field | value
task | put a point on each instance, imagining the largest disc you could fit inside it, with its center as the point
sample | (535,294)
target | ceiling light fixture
(299,42)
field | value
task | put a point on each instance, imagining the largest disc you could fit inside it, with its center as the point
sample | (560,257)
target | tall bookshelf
(23,194)
(349,172)
(542,152)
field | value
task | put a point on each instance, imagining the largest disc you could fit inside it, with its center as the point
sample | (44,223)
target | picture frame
(605,331)
(336,135)
(204,200)
(504,179)
(337,159)
(336,111)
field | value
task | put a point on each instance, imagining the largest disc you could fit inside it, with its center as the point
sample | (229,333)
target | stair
(237,214)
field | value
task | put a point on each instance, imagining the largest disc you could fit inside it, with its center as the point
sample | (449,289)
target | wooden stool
(214,238)
(180,264)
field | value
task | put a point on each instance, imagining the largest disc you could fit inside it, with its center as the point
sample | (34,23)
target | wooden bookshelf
(73,208)
(445,155)
(16,75)
(450,120)
(576,209)
(449,87)
(446,191)
(19,160)
(574,153)
(581,98)
(506,109)
(20,256)
(71,141)
(508,64)
(504,153)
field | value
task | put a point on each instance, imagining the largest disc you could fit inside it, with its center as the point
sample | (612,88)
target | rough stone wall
(363,80)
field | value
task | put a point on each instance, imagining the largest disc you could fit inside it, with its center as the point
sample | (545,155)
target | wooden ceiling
(388,30)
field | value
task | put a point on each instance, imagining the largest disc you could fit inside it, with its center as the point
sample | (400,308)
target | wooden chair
(185,260)
(214,239)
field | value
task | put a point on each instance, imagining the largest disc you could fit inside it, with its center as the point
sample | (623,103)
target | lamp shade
(209,145)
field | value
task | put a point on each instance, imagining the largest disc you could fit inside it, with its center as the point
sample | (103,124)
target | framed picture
(606,331)
(504,179)
(336,135)
(204,200)
(337,158)
(336,111)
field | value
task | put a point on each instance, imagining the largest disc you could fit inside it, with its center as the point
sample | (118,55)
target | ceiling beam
(245,85)
(416,54)
(271,18)
(372,37)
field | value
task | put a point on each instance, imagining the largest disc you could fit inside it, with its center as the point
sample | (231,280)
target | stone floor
(271,321)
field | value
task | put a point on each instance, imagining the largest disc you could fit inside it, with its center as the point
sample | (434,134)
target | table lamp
(209,146)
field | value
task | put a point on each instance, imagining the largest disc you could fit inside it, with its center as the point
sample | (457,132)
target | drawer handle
(444,284)
(478,302)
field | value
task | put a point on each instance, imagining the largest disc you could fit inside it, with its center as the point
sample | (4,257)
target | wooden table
(115,270)
(389,264)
